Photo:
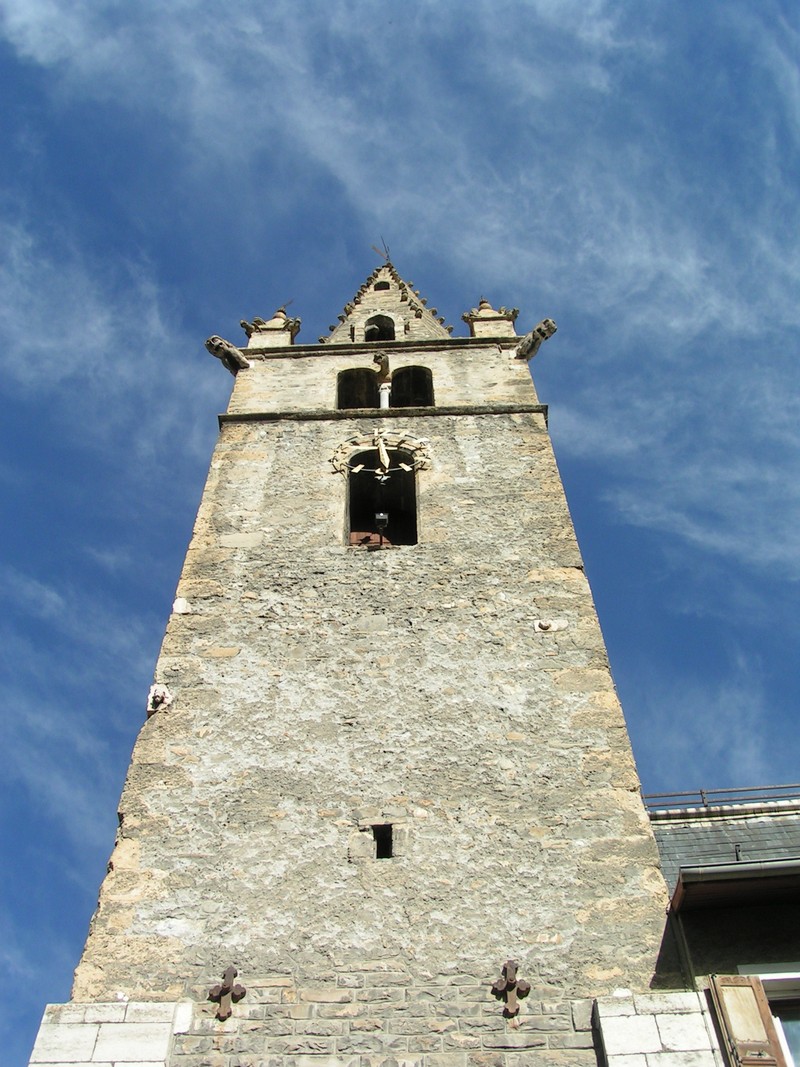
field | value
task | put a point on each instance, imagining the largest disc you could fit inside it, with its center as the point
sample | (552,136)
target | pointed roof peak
(386,308)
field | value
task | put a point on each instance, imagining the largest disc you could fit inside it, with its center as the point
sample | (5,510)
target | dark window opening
(383,841)
(787,1013)
(379,328)
(382,508)
(412,387)
(380,285)
(357,388)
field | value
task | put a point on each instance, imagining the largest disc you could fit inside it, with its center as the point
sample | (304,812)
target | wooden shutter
(745,1022)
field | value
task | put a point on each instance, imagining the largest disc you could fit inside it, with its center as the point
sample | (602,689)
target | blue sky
(627,169)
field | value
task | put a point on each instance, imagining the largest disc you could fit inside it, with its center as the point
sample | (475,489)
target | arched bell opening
(357,388)
(381,502)
(412,387)
(379,328)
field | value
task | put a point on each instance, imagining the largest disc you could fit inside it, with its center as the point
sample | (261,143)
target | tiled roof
(726,835)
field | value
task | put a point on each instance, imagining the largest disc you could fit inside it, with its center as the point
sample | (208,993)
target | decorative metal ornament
(348,457)
(226,993)
(509,988)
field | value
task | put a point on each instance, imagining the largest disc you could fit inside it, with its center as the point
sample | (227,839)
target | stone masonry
(318,691)
(657,1030)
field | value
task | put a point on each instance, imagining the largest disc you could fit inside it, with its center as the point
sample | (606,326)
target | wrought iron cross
(226,993)
(510,988)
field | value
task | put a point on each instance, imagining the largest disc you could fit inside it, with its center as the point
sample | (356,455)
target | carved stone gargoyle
(508,988)
(227,353)
(381,361)
(529,345)
(252,327)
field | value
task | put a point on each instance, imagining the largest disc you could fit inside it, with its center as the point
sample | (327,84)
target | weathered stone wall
(372,1020)
(377,1018)
(319,690)
(466,373)
(381,1018)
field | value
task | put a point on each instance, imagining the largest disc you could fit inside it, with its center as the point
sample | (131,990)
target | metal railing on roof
(706,798)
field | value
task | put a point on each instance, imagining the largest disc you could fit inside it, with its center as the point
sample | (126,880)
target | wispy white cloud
(700,724)
(707,453)
(41,600)
(82,331)
(82,613)
(246,82)
(689,282)
(76,667)
(67,779)
(111,558)
(688,318)
(573,157)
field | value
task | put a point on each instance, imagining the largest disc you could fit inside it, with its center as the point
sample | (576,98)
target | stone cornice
(360,347)
(379,414)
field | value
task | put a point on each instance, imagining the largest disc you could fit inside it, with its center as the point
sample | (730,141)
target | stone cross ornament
(226,993)
(510,988)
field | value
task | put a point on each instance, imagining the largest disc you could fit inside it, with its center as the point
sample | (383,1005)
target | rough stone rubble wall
(320,689)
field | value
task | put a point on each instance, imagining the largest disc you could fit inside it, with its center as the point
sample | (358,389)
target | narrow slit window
(383,841)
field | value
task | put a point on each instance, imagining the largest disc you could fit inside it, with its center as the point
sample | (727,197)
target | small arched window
(412,387)
(379,286)
(379,328)
(382,507)
(357,388)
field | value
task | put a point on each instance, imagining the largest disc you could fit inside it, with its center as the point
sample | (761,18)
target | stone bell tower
(384,765)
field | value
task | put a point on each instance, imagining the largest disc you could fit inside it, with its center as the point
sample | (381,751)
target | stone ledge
(399,347)
(354,414)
